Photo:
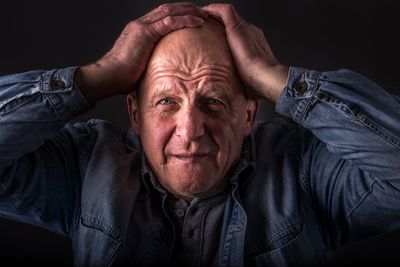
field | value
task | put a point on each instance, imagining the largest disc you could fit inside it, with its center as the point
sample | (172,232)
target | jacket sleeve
(34,106)
(351,159)
(39,159)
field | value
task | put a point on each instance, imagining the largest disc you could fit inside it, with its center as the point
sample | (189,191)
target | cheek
(154,134)
(229,136)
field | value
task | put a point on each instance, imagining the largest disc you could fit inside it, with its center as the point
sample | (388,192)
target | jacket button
(301,87)
(57,84)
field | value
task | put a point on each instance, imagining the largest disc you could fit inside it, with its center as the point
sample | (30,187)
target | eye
(166,101)
(213,101)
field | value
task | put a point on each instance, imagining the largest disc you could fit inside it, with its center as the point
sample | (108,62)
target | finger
(225,12)
(173,9)
(172,23)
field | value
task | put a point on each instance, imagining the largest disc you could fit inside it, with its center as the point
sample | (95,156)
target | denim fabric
(327,172)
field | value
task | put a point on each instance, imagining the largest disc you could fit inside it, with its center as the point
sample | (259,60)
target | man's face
(191,113)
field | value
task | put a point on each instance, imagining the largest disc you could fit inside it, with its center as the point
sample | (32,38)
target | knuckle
(168,21)
(132,25)
(165,8)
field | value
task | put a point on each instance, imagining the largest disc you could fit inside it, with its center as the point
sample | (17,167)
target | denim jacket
(326,173)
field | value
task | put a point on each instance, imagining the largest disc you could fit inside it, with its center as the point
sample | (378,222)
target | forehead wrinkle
(165,89)
(216,71)
(207,85)
(202,89)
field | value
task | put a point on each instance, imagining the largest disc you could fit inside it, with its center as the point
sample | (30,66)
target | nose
(189,124)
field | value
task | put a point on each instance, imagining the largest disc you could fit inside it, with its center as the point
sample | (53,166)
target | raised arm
(353,116)
(351,161)
(35,105)
(42,158)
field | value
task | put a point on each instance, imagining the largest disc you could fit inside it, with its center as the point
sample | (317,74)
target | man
(195,182)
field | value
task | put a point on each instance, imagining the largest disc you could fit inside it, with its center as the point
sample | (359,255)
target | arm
(352,166)
(40,154)
(351,159)
(35,105)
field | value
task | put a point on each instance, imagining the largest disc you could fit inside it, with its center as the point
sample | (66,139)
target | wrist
(272,81)
(97,82)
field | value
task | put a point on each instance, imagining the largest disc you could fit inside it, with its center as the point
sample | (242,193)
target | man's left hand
(256,63)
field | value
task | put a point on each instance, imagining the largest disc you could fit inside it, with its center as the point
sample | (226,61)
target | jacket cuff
(296,98)
(66,99)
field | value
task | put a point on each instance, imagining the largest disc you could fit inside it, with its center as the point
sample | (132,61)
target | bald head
(190,50)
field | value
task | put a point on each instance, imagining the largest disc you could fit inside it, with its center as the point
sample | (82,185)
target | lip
(191,157)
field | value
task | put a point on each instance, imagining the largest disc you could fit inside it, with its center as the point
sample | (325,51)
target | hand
(254,60)
(119,70)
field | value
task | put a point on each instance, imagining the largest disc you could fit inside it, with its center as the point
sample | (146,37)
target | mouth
(191,157)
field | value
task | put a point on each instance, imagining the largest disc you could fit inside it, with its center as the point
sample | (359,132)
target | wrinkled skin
(191,112)
(119,70)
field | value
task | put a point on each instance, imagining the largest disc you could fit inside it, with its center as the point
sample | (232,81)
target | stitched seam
(228,240)
(362,199)
(58,114)
(361,118)
(310,101)
(4,110)
(92,222)
(279,235)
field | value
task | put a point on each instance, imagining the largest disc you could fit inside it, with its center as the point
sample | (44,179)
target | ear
(133,110)
(251,112)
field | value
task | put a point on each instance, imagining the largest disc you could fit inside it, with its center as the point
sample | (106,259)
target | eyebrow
(215,91)
(160,92)
(218,92)
(221,94)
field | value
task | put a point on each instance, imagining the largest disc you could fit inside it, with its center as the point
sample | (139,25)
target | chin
(195,180)
(192,187)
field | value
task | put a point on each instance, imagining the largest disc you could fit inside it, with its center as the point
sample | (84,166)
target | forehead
(215,79)
(193,58)
(190,71)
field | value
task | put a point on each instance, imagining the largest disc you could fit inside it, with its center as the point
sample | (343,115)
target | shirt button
(301,87)
(57,84)
(180,213)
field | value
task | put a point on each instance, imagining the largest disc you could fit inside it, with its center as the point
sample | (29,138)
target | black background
(316,34)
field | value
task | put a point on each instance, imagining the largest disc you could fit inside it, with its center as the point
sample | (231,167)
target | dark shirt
(197,228)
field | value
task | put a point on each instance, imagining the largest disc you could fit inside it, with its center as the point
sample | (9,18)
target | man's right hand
(119,70)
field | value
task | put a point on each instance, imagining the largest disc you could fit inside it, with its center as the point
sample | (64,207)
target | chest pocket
(296,245)
(93,244)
